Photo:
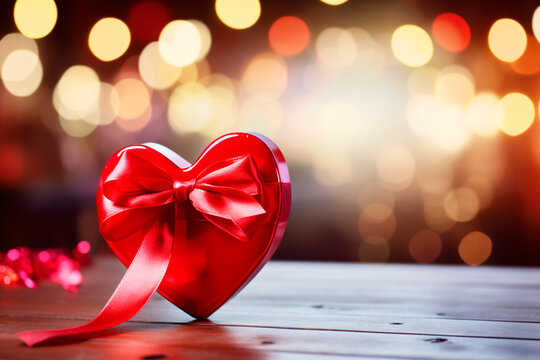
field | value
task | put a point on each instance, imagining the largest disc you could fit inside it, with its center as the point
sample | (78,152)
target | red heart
(209,266)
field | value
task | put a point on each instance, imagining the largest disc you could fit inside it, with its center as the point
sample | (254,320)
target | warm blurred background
(410,127)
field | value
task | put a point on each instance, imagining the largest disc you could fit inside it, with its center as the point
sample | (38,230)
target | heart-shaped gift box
(196,233)
(208,265)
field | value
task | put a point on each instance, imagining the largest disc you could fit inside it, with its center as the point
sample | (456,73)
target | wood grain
(303,310)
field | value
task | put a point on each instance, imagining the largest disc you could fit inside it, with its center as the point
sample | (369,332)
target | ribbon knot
(136,188)
(182,189)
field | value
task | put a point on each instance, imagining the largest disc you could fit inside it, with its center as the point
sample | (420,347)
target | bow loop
(136,193)
(136,181)
(239,173)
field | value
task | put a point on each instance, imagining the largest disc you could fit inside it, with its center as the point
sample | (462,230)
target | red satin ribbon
(138,188)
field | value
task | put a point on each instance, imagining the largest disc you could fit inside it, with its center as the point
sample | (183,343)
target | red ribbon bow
(144,191)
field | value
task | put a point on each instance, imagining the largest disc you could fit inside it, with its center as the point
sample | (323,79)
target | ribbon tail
(139,283)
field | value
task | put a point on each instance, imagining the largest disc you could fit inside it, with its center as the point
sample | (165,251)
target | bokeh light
(77,128)
(265,76)
(13,163)
(451,32)
(461,204)
(396,167)
(422,80)
(205,36)
(108,106)
(238,14)
(202,71)
(434,180)
(35,18)
(180,43)
(190,108)
(19,64)
(109,39)
(83,247)
(481,112)
(377,211)
(435,214)
(528,63)
(155,71)
(219,80)
(135,124)
(16,41)
(190,73)
(536,23)
(475,248)
(454,85)
(483,187)
(288,35)
(515,113)
(442,125)
(507,39)
(133,97)
(222,90)
(103,112)
(22,72)
(425,246)
(411,45)
(336,48)
(370,56)
(145,27)
(376,223)
(77,92)
(375,193)
(334,2)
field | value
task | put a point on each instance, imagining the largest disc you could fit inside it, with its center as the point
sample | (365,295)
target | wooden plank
(444,304)
(267,303)
(136,340)
(304,310)
(313,318)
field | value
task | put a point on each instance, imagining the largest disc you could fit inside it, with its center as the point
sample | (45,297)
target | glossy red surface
(208,266)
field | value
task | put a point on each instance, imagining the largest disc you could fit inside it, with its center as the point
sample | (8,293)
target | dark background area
(47,199)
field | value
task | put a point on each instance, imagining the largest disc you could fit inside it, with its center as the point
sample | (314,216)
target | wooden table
(295,310)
